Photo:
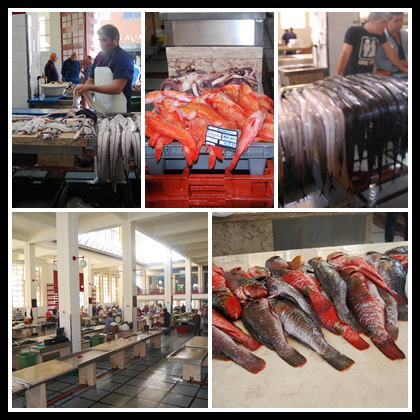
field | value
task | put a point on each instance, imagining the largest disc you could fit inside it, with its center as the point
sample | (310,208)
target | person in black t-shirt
(361,44)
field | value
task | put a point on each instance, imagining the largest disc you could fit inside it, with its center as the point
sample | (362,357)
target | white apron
(105,103)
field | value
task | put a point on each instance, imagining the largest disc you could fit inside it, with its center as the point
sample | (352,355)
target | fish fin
(291,356)
(337,360)
(388,348)
(402,312)
(352,337)
(320,303)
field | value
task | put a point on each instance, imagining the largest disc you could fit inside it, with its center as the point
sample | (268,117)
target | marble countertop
(372,382)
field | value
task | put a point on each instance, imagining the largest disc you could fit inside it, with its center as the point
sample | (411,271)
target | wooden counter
(373,381)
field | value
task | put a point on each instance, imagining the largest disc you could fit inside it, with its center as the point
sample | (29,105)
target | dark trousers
(197,329)
(391,222)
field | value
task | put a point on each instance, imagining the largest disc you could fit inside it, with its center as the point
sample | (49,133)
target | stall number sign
(220,137)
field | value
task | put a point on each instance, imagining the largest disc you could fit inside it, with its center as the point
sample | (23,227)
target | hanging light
(83,263)
(54,266)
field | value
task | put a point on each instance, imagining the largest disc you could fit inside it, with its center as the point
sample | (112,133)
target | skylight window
(148,251)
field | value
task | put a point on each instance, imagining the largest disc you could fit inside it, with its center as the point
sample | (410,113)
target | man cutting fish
(111,74)
(361,45)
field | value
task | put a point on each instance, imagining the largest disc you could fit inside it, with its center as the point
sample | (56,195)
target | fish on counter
(258,272)
(225,302)
(324,308)
(234,331)
(263,324)
(336,289)
(225,348)
(301,327)
(342,261)
(370,314)
(278,288)
(244,288)
(397,250)
(391,271)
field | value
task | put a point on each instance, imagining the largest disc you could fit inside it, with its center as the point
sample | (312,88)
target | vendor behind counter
(111,75)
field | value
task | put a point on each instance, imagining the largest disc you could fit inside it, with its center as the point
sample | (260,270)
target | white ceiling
(185,232)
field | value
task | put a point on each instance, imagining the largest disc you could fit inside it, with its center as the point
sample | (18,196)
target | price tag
(221,137)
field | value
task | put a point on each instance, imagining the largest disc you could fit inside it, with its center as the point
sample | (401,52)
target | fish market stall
(348,137)
(210,127)
(76,158)
(372,381)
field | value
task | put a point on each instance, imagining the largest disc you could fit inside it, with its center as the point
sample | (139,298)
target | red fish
(370,314)
(403,259)
(309,286)
(244,288)
(217,269)
(250,130)
(341,261)
(224,348)
(233,331)
(239,272)
(225,302)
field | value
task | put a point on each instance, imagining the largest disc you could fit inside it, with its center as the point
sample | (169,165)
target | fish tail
(291,356)
(388,348)
(402,312)
(250,362)
(337,360)
(352,337)
(234,162)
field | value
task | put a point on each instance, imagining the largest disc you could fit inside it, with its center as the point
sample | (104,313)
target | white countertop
(374,381)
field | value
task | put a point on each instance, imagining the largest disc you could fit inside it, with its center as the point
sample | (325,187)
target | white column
(188,286)
(168,279)
(200,279)
(68,277)
(129,273)
(88,282)
(120,288)
(30,281)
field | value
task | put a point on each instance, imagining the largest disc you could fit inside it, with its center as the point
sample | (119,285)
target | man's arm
(114,88)
(393,58)
(343,59)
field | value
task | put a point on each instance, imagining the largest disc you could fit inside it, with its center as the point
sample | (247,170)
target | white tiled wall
(19,62)
(26,58)
(34,53)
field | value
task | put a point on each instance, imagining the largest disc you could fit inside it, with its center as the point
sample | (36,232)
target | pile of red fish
(184,117)
(347,295)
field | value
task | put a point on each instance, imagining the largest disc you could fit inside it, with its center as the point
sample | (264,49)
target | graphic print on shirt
(368,49)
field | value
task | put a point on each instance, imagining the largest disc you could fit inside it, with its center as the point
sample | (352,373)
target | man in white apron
(111,74)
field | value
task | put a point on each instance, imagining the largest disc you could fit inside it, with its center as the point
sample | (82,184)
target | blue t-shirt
(71,71)
(108,322)
(121,64)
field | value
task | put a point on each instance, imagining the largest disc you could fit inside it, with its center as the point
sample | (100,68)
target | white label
(221,137)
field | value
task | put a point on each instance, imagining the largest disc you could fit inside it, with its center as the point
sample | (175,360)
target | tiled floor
(144,383)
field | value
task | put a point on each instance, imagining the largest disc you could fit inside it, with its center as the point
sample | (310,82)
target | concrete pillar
(30,282)
(120,288)
(200,279)
(68,277)
(188,285)
(129,272)
(88,282)
(168,279)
